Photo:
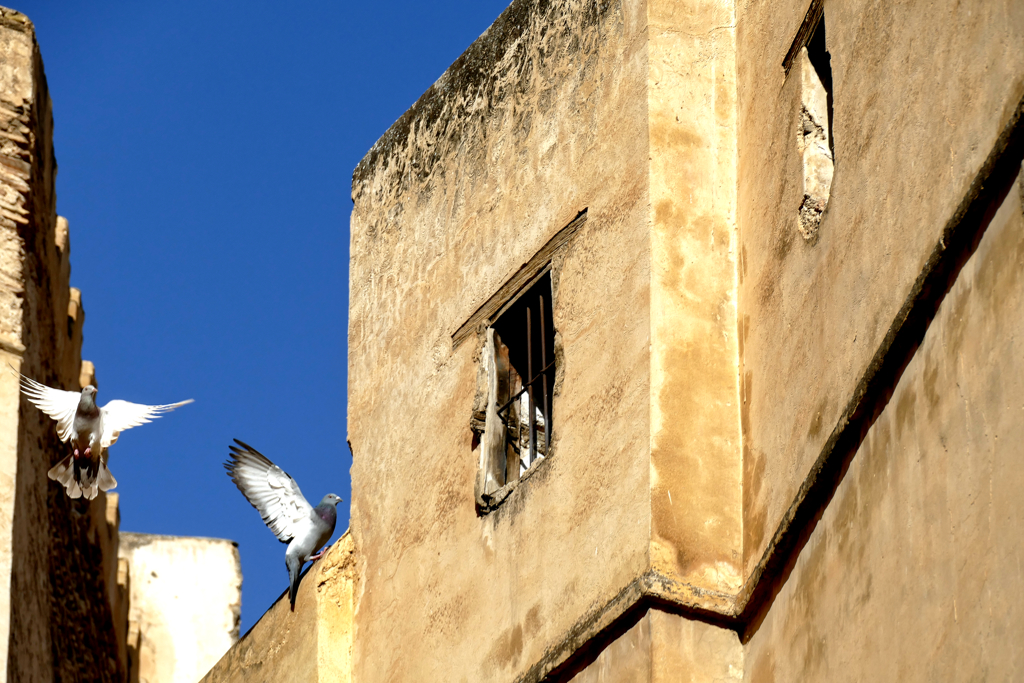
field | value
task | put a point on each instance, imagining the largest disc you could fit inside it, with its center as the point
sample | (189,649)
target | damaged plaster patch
(815,149)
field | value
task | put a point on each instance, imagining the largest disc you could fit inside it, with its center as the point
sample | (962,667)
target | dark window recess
(524,372)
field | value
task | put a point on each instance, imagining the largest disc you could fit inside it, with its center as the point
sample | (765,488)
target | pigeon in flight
(284,509)
(91,431)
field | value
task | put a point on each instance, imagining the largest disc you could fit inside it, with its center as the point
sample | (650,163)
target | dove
(284,509)
(91,430)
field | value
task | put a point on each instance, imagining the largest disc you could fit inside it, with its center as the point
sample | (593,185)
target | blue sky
(205,153)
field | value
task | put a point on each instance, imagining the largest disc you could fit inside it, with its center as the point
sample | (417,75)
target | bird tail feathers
(82,477)
(64,474)
(294,574)
(105,480)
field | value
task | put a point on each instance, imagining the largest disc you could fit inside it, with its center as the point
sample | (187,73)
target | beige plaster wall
(313,643)
(544,116)
(186,596)
(696,467)
(687,650)
(627,659)
(913,571)
(627,110)
(668,648)
(921,90)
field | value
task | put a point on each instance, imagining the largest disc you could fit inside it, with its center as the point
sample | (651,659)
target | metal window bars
(527,416)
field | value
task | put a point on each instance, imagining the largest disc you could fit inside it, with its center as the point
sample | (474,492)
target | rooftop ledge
(312,643)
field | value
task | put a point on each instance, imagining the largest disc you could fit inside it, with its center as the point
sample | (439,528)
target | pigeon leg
(76,454)
(318,555)
(88,452)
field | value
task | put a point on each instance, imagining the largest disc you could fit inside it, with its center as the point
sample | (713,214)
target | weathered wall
(542,117)
(627,659)
(57,556)
(28,168)
(921,92)
(711,356)
(667,648)
(28,218)
(313,643)
(186,597)
(696,467)
(913,571)
(625,109)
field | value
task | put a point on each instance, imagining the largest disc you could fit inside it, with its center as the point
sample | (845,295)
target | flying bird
(284,509)
(91,430)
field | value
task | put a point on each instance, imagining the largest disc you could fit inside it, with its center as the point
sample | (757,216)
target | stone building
(184,604)
(70,608)
(685,345)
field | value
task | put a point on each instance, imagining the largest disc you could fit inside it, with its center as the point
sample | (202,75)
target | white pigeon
(284,509)
(91,430)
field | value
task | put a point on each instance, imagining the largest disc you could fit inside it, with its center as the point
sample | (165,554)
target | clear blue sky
(205,153)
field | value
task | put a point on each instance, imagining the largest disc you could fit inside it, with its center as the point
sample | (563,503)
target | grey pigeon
(284,509)
(91,430)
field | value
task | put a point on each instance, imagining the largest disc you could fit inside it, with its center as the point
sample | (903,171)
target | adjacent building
(71,608)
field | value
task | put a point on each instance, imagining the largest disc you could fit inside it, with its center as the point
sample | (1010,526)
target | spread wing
(270,490)
(120,415)
(58,404)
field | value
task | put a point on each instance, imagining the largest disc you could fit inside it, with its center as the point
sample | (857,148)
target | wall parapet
(313,643)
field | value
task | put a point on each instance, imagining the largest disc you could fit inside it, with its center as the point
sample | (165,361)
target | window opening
(520,358)
(815,136)
(525,333)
